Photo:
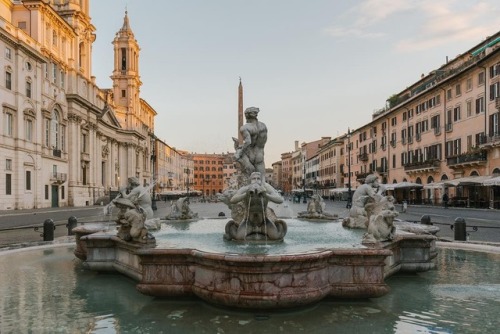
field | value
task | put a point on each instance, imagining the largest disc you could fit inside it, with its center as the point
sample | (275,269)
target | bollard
(48,230)
(460,229)
(426,220)
(72,222)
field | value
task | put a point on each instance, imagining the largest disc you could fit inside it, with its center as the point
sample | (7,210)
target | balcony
(429,165)
(58,178)
(360,177)
(56,153)
(469,159)
(382,170)
(491,141)
(363,157)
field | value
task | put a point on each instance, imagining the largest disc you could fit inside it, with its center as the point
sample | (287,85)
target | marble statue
(131,220)
(180,210)
(381,224)
(315,209)
(252,219)
(247,198)
(250,153)
(139,195)
(364,199)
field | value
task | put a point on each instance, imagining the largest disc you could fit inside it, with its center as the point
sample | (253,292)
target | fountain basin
(261,281)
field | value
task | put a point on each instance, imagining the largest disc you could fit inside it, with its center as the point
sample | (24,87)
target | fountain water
(310,264)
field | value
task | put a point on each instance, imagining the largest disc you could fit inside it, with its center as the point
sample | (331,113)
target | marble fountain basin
(317,260)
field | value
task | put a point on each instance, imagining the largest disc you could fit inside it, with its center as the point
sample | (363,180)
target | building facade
(65,141)
(441,129)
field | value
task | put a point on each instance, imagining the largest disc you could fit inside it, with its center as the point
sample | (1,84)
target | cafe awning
(468,181)
(493,181)
(434,185)
(402,185)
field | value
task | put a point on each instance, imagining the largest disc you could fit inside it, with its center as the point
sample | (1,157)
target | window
(46,191)
(448,94)
(54,38)
(84,142)
(458,90)
(8,80)
(46,67)
(54,72)
(480,105)
(494,91)
(8,184)
(28,89)
(8,53)
(8,164)
(47,132)
(21,25)
(494,70)
(63,138)
(468,84)
(469,108)
(28,66)
(29,130)
(54,129)
(63,78)
(28,180)
(480,79)
(9,124)
(456,114)
(124,93)
(394,121)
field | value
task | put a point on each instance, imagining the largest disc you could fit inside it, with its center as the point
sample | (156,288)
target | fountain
(316,210)
(180,210)
(259,262)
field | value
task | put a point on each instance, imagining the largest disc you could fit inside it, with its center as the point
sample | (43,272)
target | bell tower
(125,77)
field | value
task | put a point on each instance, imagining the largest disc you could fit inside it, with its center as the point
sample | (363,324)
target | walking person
(445,200)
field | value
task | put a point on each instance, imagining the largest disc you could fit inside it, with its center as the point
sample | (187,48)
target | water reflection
(47,291)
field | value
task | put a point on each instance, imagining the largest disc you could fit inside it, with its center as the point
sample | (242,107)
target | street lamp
(153,162)
(186,170)
(349,199)
(304,183)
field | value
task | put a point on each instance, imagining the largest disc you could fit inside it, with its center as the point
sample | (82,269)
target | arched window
(496,171)
(54,130)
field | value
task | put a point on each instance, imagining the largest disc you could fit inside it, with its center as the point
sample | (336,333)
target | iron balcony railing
(470,157)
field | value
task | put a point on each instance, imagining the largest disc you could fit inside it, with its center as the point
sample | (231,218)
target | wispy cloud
(448,22)
(438,22)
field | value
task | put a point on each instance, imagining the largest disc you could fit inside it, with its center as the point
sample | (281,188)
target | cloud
(446,22)
(437,22)
(365,16)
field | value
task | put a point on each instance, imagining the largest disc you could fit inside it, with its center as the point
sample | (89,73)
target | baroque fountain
(258,260)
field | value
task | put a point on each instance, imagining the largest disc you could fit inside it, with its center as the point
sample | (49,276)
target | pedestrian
(445,200)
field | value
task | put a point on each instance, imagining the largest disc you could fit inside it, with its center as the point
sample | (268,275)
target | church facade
(64,141)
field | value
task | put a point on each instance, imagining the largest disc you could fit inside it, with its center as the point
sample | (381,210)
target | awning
(340,190)
(402,185)
(494,181)
(468,181)
(434,185)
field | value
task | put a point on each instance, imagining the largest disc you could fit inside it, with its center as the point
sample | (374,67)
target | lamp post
(304,183)
(349,199)
(187,182)
(153,163)
(205,181)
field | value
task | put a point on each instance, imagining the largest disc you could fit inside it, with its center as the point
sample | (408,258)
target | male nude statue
(250,154)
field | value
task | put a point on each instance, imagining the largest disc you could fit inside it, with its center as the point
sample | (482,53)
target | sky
(314,67)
